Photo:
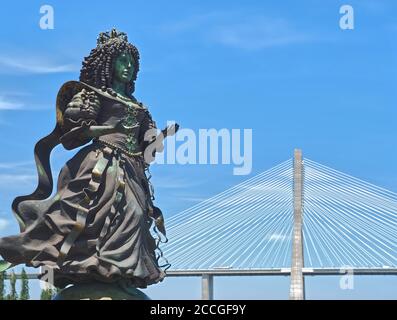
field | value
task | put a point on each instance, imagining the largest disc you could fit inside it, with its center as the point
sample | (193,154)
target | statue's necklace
(129,121)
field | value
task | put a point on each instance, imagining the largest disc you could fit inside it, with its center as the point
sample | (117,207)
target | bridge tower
(297,286)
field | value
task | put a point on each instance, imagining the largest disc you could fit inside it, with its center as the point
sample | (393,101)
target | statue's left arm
(151,138)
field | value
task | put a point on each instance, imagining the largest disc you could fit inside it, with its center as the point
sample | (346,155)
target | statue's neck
(120,88)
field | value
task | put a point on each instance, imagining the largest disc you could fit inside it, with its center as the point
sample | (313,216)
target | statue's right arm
(97,131)
(84,105)
(83,109)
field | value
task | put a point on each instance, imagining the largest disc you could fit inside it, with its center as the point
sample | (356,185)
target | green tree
(2,287)
(46,294)
(13,291)
(24,286)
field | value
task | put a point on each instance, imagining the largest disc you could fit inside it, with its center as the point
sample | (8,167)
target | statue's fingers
(172,129)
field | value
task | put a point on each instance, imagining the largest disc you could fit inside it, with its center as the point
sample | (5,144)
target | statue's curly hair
(97,69)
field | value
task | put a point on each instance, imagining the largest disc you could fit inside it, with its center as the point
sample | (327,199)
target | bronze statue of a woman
(96,228)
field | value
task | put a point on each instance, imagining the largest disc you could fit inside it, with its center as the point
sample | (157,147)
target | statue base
(100,291)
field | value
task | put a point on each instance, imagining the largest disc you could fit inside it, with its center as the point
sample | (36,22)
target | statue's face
(124,67)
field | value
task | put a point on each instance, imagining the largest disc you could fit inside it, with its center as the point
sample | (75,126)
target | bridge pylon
(297,286)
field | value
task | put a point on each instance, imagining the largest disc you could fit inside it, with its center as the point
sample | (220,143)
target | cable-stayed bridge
(297,219)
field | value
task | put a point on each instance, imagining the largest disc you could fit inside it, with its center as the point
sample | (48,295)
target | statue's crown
(110,35)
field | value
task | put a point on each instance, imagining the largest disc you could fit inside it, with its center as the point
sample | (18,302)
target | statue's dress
(97,225)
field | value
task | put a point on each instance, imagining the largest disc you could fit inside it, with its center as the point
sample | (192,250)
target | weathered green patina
(94,233)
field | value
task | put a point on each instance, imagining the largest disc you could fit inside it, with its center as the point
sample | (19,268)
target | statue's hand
(159,220)
(170,130)
(84,104)
(122,128)
(91,104)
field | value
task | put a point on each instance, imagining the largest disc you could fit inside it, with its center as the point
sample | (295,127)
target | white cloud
(14,103)
(258,33)
(4,223)
(11,179)
(36,65)
(190,23)
(6,104)
(239,30)
(16,164)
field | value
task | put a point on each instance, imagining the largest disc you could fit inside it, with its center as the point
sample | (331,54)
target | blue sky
(283,68)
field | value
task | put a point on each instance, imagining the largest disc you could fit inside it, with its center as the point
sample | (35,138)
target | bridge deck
(265,272)
(283,272)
